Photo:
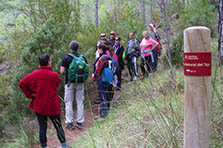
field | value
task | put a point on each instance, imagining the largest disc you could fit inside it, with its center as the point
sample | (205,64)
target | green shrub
(198,13)
(49,39)
(177,52)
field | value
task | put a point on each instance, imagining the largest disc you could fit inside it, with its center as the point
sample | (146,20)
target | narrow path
(71,135)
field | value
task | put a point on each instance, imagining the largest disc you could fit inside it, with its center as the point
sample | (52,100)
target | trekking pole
(61,99)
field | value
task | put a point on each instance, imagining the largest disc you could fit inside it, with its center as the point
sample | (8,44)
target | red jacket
(41,87)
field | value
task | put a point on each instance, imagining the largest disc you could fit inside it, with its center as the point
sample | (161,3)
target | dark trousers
(132,66)
(148,62)
(119,75)
(42,119)
(102,96)
(151,66)
(155,55)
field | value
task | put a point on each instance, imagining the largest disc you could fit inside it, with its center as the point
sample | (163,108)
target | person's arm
(100,65)
(58,79)
(138,46)
(62,70)
(155,45)
(25,85)
(121,52)
(64,64)
(126,51)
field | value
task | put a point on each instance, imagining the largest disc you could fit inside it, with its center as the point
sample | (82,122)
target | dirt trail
(71,135)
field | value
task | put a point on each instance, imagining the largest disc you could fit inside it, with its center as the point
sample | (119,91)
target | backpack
(78,69)
(114,65)
(112,69)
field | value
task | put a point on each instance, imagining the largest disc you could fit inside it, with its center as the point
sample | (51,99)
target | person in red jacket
(41,87)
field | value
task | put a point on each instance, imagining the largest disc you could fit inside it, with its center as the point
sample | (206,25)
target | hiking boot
(79,125)
(99,118)
(135,78)
(70,126)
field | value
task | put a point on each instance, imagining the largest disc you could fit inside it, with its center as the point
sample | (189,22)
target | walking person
(73,88)
(41,87)
(155,36)
(148,54)
(132,53)
(99,65)
(119,49)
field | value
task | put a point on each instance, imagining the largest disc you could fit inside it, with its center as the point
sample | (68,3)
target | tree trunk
(152,6)
(220,31)
(143,11)
(115,11)
(166,30)
(96,13)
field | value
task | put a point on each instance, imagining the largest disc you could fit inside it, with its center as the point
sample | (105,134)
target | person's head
(117,39)
(131,35)
(74,45)
(146,35)
(112,35)
(103,36)
(44,60)
(150,27)
(102,48)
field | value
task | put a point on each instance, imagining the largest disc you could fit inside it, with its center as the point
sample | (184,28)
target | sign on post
(197,89)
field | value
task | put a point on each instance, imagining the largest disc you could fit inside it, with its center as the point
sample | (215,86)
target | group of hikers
(41,86)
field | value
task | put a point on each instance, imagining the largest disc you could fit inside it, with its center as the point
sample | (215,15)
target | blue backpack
(112,69)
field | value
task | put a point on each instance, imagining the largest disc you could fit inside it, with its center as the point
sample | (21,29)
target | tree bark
(152,5)
(96,13)
(143,12)
(166,30)
(220,31)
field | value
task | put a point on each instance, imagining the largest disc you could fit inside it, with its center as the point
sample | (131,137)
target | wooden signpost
(197,92)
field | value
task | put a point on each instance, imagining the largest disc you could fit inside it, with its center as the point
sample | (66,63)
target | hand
(125,61)
(33,96)
(92,77)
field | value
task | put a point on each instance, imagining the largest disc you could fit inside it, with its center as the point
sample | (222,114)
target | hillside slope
(149,114)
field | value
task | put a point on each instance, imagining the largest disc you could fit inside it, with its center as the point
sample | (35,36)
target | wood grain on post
(197,93)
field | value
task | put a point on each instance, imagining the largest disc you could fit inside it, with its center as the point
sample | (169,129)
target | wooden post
(197,95)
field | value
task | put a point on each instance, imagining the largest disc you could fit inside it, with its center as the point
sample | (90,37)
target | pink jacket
(147,44)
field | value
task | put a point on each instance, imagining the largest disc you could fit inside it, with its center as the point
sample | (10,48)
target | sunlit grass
(150,114)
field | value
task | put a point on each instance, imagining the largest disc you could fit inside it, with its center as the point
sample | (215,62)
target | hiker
(100,65)
(155,36)
(41,87)
(74,88)
(131,55)
(148,54)
(112,38)
(103,39)
(119,49)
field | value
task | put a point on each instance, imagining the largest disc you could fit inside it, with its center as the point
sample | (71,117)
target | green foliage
(123,21)
(198,13)
(49,39)
(176,52)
